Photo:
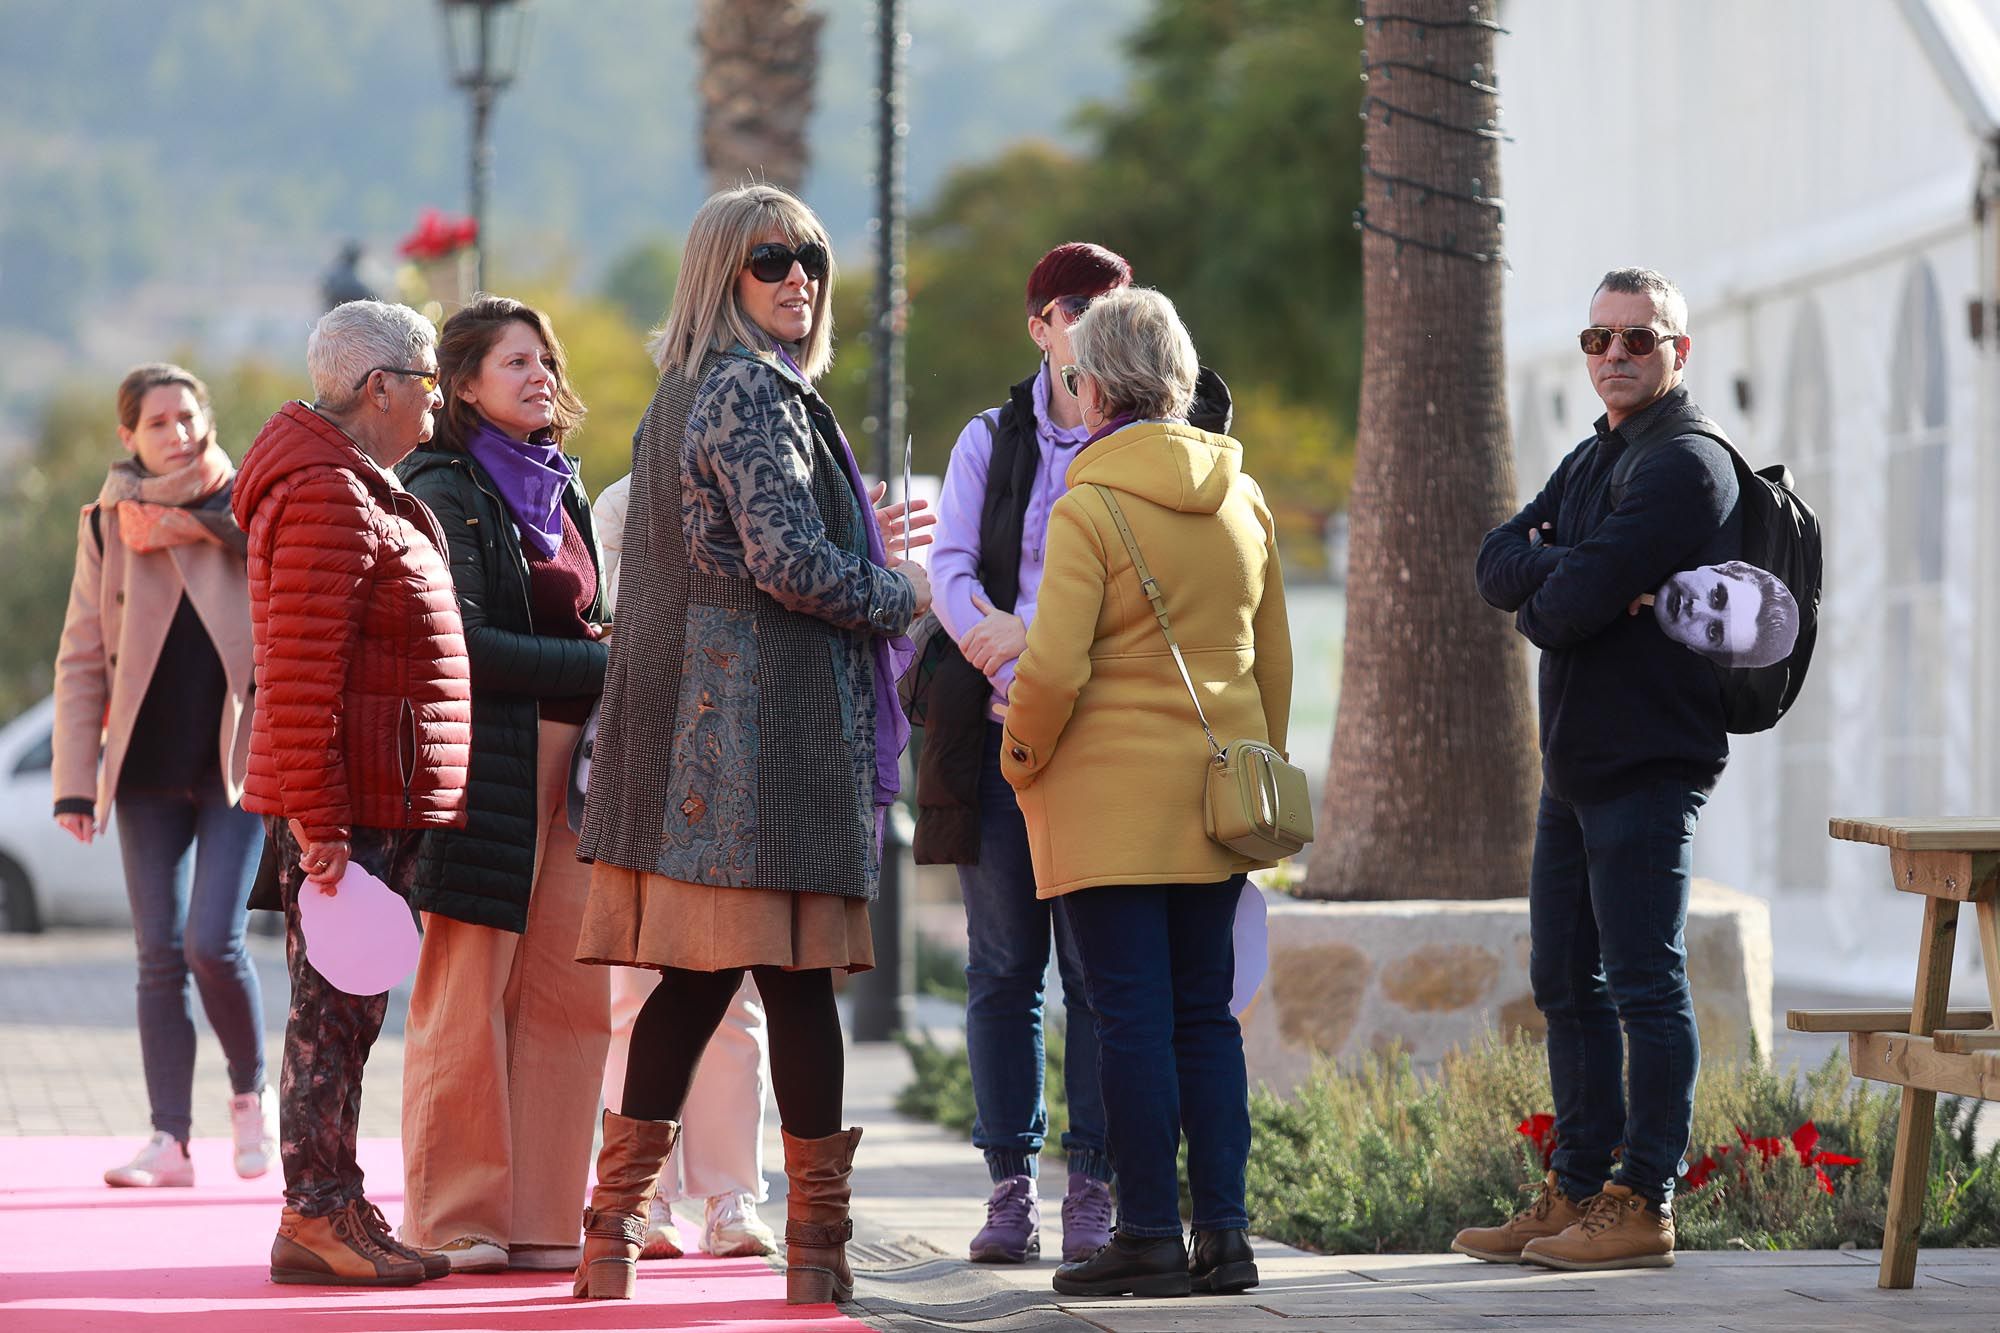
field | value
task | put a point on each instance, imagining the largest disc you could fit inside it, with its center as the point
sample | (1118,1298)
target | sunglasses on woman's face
(1071,306)
(771,262)
(1072,379)
(1638,339)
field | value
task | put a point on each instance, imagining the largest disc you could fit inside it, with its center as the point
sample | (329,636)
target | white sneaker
(473,1254)
(734,1231)
(253,1121)
(163,1161)
(662,1236)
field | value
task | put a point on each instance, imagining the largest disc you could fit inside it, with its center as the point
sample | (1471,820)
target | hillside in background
(178,175)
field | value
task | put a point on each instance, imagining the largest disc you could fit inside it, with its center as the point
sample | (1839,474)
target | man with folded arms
(1632,743)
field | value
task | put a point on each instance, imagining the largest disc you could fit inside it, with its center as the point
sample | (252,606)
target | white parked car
(48,878)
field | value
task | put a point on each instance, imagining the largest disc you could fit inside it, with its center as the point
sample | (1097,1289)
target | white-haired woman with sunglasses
(1106,752)
(749,733)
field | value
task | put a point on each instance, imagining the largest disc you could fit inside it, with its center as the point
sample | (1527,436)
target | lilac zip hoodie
(954,564)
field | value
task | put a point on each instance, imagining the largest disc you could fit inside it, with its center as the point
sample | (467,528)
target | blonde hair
(1132,342)
(705,314)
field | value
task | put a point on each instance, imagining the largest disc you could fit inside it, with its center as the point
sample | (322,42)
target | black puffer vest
(482,873)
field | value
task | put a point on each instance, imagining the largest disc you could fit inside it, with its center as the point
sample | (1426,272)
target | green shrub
(940,970)
(940,1087)
(1383,1157)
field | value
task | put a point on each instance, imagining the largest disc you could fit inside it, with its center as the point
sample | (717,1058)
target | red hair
(1076,268)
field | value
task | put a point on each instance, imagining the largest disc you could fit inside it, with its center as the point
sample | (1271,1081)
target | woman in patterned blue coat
(749,733)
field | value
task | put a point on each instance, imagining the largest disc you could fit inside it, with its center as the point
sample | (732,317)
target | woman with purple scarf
(750,732)
(507,1031)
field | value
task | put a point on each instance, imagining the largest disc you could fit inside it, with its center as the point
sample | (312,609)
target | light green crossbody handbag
(1257,803)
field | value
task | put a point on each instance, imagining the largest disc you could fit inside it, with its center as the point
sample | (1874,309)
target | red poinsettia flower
(437,236)
(1806,1140)
(1541,1128)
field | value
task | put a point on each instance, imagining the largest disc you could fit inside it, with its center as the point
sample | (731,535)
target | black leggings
(682,1013)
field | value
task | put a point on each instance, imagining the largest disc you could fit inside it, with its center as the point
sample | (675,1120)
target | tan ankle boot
(1619,1229)
(817,1227)
(614,1226)
(1549,1213)
(337,1250)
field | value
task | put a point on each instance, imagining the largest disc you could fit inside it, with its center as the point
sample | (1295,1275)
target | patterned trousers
(327,1036)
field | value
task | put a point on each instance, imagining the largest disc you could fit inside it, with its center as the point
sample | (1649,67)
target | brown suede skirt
(639,919)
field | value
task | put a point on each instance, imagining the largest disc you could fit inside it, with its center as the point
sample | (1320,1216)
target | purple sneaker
(1086,1217)
(1012,1234)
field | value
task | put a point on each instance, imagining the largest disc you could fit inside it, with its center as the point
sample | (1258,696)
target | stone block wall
(1349,978)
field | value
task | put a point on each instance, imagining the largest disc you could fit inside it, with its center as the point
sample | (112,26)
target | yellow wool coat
(1103,747)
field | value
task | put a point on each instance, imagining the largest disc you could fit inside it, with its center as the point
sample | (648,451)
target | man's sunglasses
(1072,378)
(1638,339)
(771,262)
(427,378)
(1072,306)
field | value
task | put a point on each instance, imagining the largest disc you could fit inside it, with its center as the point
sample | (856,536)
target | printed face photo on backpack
(1735,613)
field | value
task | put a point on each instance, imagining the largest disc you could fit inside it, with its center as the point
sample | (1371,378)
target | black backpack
(1780,533)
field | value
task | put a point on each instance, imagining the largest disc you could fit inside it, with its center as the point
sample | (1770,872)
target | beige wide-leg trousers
(503,1054)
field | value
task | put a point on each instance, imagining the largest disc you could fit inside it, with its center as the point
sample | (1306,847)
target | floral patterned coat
(736,742)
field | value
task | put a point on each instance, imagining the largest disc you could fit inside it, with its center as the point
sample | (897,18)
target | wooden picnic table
(1928,1048)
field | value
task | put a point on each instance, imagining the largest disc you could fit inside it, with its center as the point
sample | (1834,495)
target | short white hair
(1132,342)
(357,337)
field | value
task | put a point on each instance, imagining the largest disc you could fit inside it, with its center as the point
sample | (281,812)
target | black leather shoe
(1221,1263)
(1129,1266)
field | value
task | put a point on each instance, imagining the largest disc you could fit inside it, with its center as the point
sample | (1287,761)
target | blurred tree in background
(1226,170)
(1228,174)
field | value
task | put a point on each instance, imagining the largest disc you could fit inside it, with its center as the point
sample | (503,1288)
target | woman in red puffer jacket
(361,736)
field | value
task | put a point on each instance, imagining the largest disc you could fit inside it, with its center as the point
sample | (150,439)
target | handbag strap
(1151,587)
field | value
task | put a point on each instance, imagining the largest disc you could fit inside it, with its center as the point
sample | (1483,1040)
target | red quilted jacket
(364,692)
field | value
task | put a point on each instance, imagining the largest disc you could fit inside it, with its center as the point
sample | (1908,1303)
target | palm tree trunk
(759,63)
(1432,786)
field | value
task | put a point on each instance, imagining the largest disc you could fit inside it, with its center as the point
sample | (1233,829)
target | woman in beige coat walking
(153,720)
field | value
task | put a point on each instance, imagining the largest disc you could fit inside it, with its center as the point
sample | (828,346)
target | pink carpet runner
(75,1254)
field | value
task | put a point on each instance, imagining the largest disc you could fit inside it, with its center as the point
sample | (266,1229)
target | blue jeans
(1160,962)
(1007,932)
(1607,915)
(189,861)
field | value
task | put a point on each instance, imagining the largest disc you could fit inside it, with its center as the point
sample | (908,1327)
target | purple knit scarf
(531,476)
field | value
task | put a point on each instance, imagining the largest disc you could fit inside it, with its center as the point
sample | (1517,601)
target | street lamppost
(482,41)
(883,997)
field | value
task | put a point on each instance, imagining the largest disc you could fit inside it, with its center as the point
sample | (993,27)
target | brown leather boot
(337,1250)
(1619,1229)
(1547,1214)
(817,1227)
(614,1226)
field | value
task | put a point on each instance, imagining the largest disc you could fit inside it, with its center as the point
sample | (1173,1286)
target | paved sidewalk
(918,1193)
(69,1064)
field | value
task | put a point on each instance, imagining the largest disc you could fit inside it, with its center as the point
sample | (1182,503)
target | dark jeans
(1607,912)
(1160,963)
(189,860)
(328,1035)
(1007,931)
